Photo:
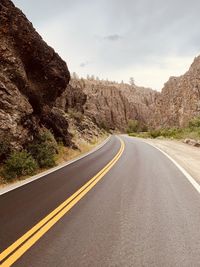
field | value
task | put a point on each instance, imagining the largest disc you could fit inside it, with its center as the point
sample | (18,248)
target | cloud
(84,64)
(113,37)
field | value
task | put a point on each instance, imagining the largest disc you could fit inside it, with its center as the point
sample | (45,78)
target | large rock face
(73,97)
(112,105)
(32,76)
(72,102)
(179,100)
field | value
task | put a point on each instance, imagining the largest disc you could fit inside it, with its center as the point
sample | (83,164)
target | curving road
(142,212)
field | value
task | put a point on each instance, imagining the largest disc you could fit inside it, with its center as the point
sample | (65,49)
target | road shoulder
(187,156)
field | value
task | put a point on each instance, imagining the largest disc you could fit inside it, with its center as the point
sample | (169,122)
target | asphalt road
(143,212)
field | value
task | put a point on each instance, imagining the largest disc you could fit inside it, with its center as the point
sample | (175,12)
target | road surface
(142,212)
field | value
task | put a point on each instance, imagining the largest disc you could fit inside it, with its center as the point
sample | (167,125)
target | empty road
(126,204)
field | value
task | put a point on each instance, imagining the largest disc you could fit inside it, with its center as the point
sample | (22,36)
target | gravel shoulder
(187,156)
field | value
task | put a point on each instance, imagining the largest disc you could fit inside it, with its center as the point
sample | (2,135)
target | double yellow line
(19,247)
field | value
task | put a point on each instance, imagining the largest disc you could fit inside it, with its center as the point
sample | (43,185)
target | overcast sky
(149,40)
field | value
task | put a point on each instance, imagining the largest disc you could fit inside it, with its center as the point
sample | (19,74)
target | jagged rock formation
(112,105)
(72,102)
(179,100)
(73,97)
(32,76)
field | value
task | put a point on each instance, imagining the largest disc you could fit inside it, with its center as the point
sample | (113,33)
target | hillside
(111,105)
(32,76)
(179,100)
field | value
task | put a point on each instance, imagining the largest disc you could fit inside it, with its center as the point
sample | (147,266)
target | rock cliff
(32,76)
(179,100)
(112,105)
(72,102)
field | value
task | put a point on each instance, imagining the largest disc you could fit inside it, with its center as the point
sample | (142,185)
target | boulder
(32,77)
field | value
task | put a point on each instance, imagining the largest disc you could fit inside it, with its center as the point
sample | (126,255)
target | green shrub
(171,133)
(44,154)
(133,126)
(102,125)
(134,134)
(167,133)
(176,133)
(194,123)
(45,136)
(77,115)
(5,149)
(145,135)
(143,128)
(19,164)
(154,133)
(191,133)
(44,149)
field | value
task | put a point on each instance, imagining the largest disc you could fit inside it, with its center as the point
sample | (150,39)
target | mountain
(179,100)
(111,105)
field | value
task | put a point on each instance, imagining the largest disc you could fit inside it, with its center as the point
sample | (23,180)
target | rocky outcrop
(112,105)
(179,100)
(32,77)
(192,142)
(73,97)
(72,102)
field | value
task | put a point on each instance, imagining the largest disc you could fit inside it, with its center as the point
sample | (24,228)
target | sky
(149,40)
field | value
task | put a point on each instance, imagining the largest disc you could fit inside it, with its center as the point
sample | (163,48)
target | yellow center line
(35,233)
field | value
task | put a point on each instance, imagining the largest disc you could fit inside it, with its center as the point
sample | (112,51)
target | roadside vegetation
(67,153)
(192,131)
(44,149)
(19,164)
(135,127)
(37,156)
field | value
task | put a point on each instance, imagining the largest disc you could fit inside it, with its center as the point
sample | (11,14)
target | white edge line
(186,174)
(16,185)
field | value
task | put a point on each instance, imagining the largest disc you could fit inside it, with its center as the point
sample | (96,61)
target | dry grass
(66,153)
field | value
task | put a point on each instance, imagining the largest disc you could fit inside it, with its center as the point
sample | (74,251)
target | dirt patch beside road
(187,156)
